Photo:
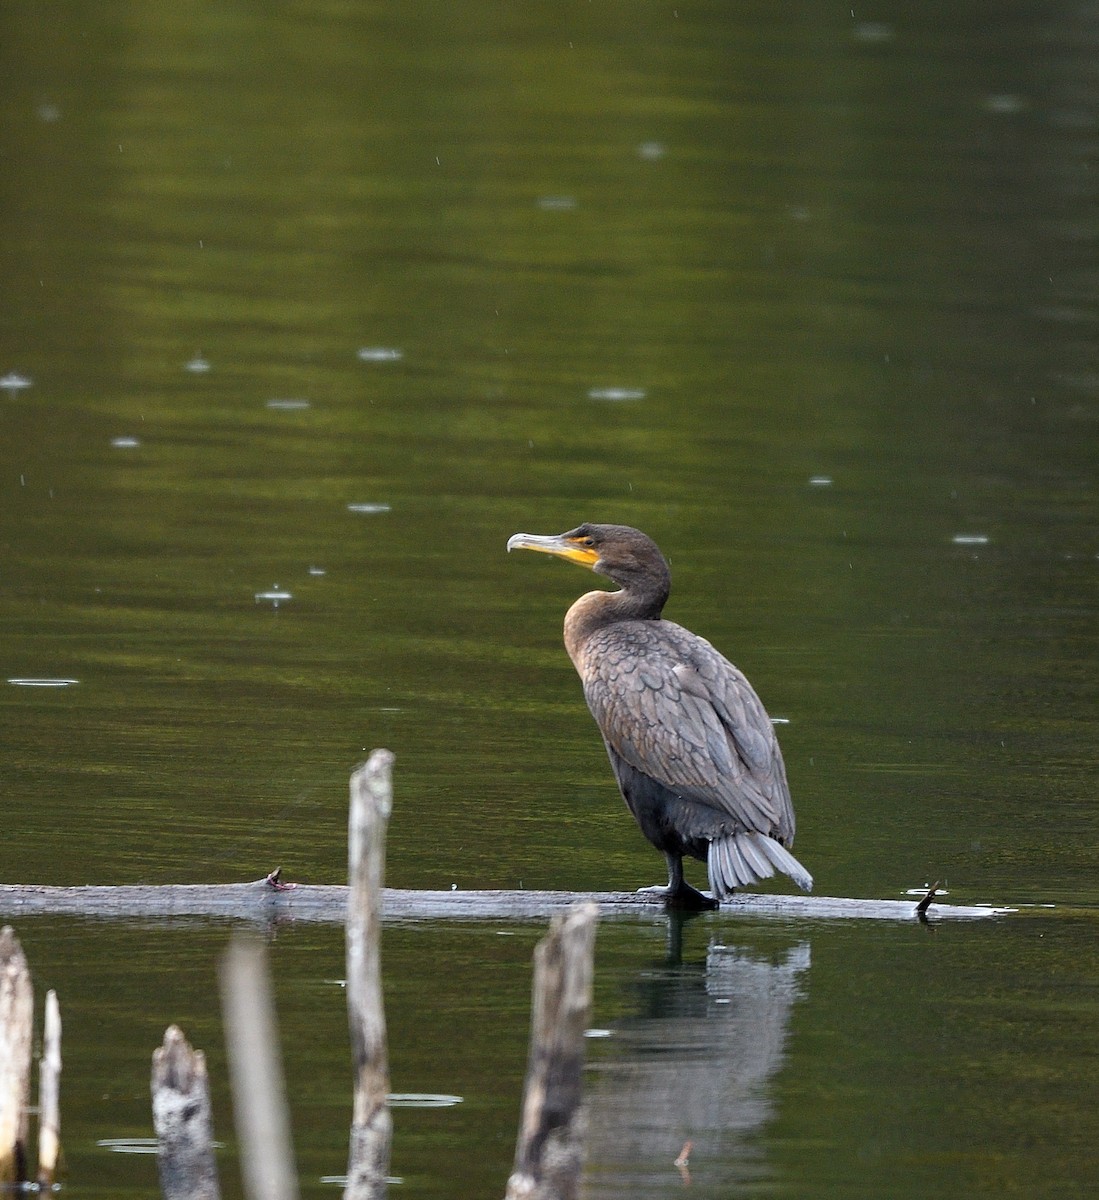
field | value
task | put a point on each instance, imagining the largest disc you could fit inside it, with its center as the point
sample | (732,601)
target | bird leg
(678,893)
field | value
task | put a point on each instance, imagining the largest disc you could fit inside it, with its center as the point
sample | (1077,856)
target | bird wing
(677,710)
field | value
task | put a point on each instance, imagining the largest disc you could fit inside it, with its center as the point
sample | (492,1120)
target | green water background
(809,293)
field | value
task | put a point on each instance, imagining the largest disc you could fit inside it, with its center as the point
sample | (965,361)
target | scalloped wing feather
(674,708)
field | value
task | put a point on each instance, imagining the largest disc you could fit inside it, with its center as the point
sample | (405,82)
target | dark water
(809,294)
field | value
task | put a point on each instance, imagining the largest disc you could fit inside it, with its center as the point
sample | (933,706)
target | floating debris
(557,203)
(651,151)
(380,354)
(14,382)
(970,539)
(820,480)
(683,1164)
(275,596)
(422,1100)
(340,1181)
(1004,105)
(125,443)
(616,394)
(369,508)
(929,899)
(197,366)
(48,113)
(317,571)
(128,1145)
(43,683)
(287,405)
(873,32)
(597,1033)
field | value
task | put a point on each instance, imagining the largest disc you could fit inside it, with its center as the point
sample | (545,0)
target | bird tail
(740,859)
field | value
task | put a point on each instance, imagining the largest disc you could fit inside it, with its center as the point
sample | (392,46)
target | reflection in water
(693,1067)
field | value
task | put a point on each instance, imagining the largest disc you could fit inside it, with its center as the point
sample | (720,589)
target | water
(809,296)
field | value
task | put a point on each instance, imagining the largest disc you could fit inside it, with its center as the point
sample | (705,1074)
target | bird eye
(586,541)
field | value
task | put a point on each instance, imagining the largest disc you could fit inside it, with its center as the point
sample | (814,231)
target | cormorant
(692,748)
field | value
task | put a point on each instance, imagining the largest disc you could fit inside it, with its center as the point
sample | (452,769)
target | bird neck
(597,610)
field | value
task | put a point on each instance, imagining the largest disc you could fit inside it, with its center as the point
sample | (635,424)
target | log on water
(260,901)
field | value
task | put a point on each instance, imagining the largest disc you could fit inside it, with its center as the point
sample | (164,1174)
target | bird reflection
(685,1084)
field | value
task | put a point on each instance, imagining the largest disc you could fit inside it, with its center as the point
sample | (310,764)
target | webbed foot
(683,897)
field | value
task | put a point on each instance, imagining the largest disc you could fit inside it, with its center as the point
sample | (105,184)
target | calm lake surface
(307,308)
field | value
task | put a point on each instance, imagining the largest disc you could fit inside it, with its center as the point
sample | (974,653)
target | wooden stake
(371,1123)
(16,1028)
(49,1094)
(549,1151)
(181,1118)
(255,1070)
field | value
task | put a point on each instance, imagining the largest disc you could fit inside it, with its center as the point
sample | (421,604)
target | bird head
(619,552)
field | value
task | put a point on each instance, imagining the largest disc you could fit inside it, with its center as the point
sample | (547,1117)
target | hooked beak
(559,545)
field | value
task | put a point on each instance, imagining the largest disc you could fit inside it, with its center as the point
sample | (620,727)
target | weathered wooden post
(181,1118)
(371,1123)
(16,1027)
(49,1094)
(550,1149)
(255,1071)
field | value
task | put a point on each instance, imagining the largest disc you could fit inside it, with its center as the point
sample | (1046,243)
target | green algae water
(308,308)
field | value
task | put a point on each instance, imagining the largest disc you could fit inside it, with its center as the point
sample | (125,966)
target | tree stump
(49,1094)
(255,1071)
(371,1122)
(549,1151)
(16,1028)
(181,1118)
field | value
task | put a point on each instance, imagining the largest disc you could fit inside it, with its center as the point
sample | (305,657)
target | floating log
(371,1122)
(264,901)
(181,1118)
(255,1071)
(16,1027)
(549,1151)
(49,1094)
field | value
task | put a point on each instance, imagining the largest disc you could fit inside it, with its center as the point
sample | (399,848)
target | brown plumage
(691,745)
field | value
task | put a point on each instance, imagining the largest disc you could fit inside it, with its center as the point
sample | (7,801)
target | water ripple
(43,683)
